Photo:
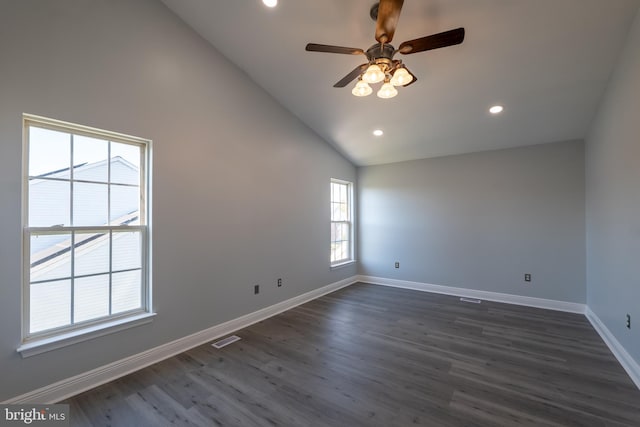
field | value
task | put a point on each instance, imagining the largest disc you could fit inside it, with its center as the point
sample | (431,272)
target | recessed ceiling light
(378,132)
(496,109)
(270,3)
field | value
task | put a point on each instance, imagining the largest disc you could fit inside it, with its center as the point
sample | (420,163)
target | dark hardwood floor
(377,356)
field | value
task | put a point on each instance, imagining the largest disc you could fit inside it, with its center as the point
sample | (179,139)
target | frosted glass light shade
(373,74)
(401,77)
(362,89)
(387,91)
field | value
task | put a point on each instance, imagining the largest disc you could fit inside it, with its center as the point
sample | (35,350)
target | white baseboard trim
(628,363)
(625,359)
(77,384)
(570,307)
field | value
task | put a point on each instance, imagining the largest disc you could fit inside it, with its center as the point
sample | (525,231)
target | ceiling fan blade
(352,75)
(314,47)
(388,14)
(434,41)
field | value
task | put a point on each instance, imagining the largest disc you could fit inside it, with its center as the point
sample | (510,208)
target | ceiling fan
(381,67)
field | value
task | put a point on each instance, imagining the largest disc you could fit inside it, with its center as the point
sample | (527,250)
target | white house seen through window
(341,222)
(85,234)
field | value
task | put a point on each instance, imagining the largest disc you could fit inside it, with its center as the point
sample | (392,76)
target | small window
(86,235)
(341,222)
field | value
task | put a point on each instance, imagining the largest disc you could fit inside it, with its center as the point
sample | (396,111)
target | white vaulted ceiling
(547,61)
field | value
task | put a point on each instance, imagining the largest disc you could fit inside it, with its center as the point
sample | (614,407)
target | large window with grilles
(341,222)
(86,235)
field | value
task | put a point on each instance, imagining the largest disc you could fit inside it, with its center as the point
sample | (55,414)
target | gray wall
(479,221)
(613,201)
(240,186)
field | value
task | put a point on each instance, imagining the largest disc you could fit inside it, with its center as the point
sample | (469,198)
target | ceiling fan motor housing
(382,55)
(380,50)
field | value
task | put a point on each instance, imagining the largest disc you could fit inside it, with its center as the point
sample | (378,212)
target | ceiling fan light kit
(381,66)
(387,90)
(362,89)
(373,74)
(401,77)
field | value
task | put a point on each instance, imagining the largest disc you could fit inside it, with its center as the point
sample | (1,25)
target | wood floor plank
(377,356)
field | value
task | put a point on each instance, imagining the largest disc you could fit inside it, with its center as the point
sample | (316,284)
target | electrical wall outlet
(527,277)
(279,282)
(628,321)
(256,289)
(397,264)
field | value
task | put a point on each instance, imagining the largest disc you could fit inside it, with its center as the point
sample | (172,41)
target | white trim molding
(628,363)
(624,358)
(71,386)
(75,336)
(570,307)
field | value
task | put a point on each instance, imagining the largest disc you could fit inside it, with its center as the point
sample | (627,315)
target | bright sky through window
(86,232)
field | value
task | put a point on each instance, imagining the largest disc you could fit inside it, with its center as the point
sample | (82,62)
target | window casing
(86,227)
(341,222)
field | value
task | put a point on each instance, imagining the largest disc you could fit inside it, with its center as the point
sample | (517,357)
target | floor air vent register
(226,341)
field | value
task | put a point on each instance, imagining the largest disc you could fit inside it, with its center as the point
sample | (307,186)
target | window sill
(42,345)
(342,264)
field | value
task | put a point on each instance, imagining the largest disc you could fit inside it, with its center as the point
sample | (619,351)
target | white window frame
(350,222)
(38,342)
